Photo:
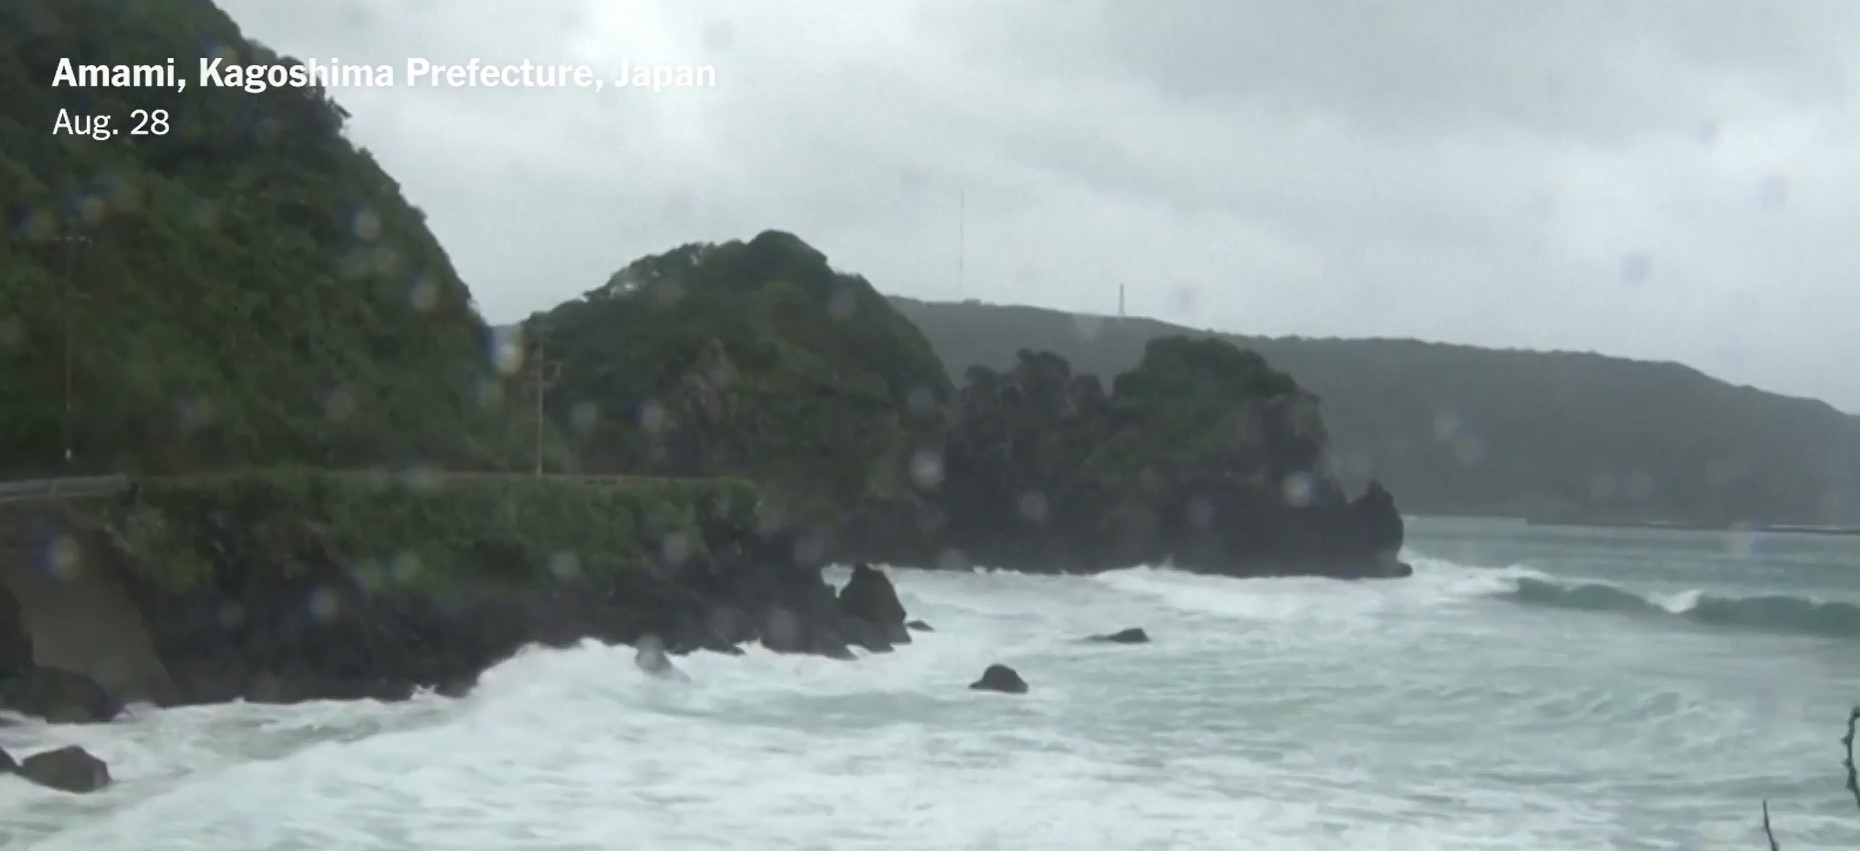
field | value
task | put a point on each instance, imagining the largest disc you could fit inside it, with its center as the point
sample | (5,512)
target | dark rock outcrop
(318,630)
(1204,458)
(58,696)
(15,641)
(7,764)
(874,617)
(67,769)
(1132,635)
(1000,678)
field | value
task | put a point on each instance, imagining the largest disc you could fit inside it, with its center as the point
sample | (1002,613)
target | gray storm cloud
(1664,180)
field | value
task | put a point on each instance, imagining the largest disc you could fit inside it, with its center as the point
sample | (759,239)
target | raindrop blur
(719,35)
(36,225)
(920,400)
(1087,327)
(421,476)
(1639,486)
(507,350)
(1636,267)
(62,557)
(124,193)
(405,568)
(910,180)
(324,604)
(1602,486)
(12,331)
(584,416)
(1740,543)
(1182,298)
(1468,450)
(1299,489)
(676,549)
(1446,425)
(1706,132)
(1033,506)
(424,294)
(652,416)
(927,468)
(383,260)
(365,223)
(565,565)
(91,209)
(193,412)
(203,214)
(679,205)
(842,305)
(1773,192)
(231,615)
(1201,514)
(809,548)
(339,404)
(490,393)
(353,265)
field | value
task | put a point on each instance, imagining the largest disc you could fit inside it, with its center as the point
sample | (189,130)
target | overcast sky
(1672,180)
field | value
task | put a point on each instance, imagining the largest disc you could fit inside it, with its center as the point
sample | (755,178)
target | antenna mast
(962,238)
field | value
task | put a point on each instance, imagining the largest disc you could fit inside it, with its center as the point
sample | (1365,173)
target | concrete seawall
(78,614)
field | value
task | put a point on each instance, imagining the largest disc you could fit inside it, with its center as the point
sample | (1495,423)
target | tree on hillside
(746,358)
(250,288)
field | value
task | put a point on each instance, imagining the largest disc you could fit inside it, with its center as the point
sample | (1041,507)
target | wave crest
(1779,613)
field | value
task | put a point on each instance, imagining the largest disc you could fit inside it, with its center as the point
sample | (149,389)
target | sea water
(1528,688)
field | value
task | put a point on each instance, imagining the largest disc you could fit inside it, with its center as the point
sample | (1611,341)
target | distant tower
(1120,301)
(962,234)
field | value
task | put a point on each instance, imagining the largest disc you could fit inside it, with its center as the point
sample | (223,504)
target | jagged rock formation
(1204,457)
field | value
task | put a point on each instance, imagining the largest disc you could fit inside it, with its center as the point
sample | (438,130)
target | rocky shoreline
(1212,527)
(247,589)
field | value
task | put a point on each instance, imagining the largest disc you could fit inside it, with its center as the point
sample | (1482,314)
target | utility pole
(1120,301)
(68,239)
(543,372)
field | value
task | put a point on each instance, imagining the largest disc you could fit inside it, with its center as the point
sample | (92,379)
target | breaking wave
(1778,613)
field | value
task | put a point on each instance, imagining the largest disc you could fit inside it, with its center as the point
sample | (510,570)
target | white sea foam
(1274,714)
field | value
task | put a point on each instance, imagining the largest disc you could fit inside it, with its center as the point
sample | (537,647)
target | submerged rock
(1000,678)
(1133,635)
(649,655)
(7,764)
(67,769)
(918,626)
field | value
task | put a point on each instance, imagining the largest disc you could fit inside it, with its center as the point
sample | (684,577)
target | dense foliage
(1457,429)
(394,531)
(1189,408)
(249,287)
(745,358)
(1200,440)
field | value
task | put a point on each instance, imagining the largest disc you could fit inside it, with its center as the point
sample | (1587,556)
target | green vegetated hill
(1459,429)
(750,358)
(250,287)
(756,359)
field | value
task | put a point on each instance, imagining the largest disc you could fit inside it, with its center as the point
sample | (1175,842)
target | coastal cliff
(293,585)
(1203,457)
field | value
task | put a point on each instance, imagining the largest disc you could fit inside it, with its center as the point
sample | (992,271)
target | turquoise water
(1530,688)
